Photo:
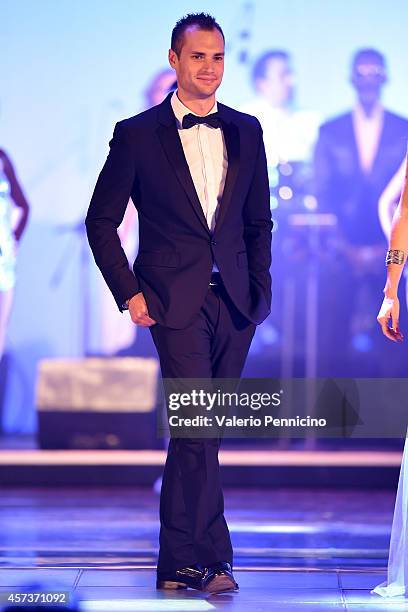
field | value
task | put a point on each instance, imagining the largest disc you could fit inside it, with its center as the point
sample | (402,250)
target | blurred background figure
(290,134)
(356,156)
(161,84)
(13,220)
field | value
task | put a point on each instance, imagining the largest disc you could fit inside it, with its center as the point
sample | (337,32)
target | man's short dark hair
(362,55)
(260,67)
(203,21)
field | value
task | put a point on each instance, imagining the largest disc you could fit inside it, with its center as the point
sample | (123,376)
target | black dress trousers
(192,524)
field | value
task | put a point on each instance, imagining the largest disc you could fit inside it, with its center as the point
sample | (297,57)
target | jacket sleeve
(258,226)
(106,211)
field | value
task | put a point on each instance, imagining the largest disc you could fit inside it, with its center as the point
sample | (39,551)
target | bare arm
(389,199)
(399,241)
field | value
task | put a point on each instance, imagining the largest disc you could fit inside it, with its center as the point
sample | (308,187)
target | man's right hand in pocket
(138,311)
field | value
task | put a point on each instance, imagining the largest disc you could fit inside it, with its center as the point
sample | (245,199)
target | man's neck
(369,109)
(200,106)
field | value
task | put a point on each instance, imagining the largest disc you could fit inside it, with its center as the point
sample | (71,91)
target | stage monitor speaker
(98,403)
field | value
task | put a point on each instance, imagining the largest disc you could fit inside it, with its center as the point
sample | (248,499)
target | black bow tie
(212,120)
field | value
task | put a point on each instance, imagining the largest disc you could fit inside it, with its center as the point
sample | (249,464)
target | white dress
(7,256)
(7,242)
(397,576)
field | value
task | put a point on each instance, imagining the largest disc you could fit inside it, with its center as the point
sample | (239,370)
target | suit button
(213,242)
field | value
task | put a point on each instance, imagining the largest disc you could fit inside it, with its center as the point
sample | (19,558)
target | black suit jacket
(176,249)
(341,185)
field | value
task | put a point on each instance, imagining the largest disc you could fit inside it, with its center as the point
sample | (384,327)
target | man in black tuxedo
(356,156)
(196,171)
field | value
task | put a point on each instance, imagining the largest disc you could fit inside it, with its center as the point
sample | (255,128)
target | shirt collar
(180,110)
(376,115)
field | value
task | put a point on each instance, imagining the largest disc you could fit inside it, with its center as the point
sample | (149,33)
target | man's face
(368,77)
(200,66)
(277,86)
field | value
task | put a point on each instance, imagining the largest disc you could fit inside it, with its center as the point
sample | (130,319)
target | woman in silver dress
(12,199)
(388,317)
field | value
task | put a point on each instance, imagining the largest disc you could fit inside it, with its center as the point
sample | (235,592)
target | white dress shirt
(206,155)
(367,130)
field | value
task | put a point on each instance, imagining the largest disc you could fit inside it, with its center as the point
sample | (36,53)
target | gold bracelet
(395,256)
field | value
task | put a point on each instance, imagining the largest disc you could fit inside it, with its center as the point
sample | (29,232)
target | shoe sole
(220,584)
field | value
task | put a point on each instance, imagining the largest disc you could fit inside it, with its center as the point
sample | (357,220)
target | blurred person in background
(289,132)
(356,156)
(14,212)
(159,86)
(290,135)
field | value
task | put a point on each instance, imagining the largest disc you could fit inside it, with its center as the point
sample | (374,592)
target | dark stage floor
(294,549)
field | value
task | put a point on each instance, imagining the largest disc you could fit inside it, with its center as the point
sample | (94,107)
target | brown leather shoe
(187,577)
(219,578)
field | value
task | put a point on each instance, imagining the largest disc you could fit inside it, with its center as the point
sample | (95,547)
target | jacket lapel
(232,144)
(171,143)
